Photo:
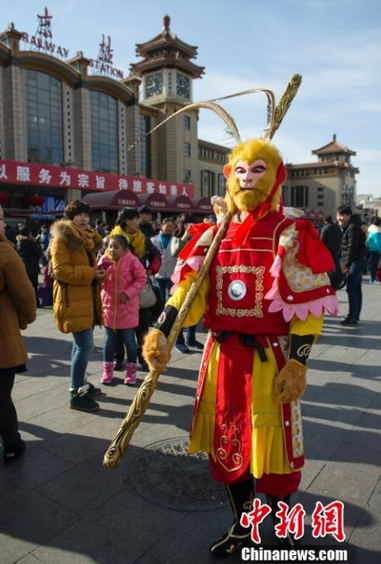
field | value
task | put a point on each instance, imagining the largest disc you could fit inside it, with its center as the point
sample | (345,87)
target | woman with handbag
(127,224)
(125,278)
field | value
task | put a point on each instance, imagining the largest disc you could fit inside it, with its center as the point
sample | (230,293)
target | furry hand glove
(291,381)
(155,350)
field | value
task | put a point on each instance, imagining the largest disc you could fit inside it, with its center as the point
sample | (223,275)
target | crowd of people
(356,249)
(97,275)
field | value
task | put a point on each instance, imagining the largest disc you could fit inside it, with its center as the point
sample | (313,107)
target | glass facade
(44,118)
(104,132)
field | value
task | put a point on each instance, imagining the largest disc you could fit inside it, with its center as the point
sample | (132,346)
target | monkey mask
(254,174)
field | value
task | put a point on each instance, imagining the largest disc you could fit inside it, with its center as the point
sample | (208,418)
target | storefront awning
(181,204)
(156,202)
(117,199)
(112,200)
(202,205)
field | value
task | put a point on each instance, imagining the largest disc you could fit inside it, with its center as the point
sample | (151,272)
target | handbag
(147,297)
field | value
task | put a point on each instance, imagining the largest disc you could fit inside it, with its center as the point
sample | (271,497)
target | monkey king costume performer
(263,302)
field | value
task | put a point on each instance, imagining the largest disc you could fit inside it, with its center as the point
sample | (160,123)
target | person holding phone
(76,295)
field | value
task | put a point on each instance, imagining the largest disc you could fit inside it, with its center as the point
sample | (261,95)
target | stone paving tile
(362,380)
(28,520)
(29,386)
(147,559)
(367,534)
(351,472)
(84,487)
(192,538)
(311,469)
(76,447)
(126,527)
(367,432)
(35,468)
(29,559)
(321,440)
(43,402)
(58,422)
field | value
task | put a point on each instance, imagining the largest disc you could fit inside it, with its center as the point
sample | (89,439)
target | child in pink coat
(125,278)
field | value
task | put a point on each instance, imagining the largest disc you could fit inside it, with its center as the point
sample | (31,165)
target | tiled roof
(333,147)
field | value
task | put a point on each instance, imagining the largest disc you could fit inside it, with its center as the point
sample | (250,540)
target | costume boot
(108,373)
(289,540)
(241,496)
(130,378)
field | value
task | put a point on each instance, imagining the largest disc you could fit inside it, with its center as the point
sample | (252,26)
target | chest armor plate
(240,279)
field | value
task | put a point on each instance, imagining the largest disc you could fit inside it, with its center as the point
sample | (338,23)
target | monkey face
(248,175)
(251,174)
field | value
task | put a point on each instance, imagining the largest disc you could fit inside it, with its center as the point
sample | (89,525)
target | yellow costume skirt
(268,454)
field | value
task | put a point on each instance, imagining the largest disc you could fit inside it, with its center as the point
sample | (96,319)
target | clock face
(182,86)
(154,84)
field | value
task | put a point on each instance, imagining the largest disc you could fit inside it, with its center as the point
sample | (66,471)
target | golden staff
(118,447)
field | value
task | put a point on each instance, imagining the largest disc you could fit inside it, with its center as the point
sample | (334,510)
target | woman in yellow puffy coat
(76,294)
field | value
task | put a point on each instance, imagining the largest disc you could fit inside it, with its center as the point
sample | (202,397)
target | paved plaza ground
(59,505)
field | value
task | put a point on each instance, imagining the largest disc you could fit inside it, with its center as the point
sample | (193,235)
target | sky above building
(334,44)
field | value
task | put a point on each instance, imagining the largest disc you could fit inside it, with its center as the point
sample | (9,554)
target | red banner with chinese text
(45,176)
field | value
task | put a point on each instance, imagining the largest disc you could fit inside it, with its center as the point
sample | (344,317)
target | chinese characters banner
(46,176)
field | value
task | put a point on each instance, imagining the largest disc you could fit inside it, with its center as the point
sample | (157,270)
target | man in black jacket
(353,260)
(331,235)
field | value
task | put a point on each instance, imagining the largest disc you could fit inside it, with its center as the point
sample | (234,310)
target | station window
(104,132)
(299,196)
(43,101)
(207,183)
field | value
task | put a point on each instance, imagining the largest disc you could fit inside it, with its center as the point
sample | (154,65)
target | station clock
(182,84)
(154,84)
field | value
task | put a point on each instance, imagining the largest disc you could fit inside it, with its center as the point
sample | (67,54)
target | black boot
(14,452)
(241,496)
(289,541)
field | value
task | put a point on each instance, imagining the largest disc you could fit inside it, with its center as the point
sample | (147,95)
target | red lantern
(36,200)
(3,198)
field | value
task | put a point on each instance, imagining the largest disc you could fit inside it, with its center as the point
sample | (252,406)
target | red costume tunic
(247,328)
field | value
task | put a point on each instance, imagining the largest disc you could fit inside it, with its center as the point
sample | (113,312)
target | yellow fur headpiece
(250,151)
